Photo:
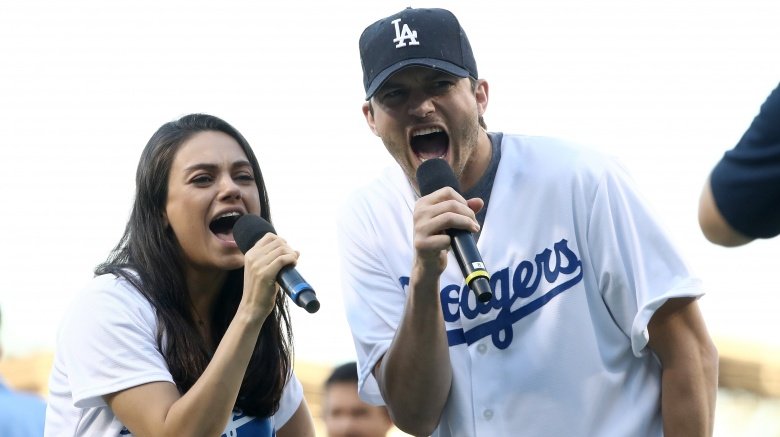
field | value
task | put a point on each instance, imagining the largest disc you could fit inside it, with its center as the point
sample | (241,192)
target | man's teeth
(422,159)
(427,131)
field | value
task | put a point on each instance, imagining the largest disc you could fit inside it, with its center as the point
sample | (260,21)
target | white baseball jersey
(107,343)
(578,266)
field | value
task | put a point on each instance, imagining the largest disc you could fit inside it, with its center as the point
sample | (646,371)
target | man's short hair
(345,373)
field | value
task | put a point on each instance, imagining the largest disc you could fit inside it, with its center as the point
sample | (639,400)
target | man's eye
(392,95)
(442,85)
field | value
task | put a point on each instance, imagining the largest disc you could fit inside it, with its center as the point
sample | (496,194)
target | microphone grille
(434,174)
(249,229)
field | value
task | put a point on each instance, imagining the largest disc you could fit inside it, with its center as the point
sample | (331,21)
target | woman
(180,334)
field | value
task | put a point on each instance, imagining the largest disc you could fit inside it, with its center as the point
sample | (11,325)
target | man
(593,328)
(344,413)
(21,414)
(741,199)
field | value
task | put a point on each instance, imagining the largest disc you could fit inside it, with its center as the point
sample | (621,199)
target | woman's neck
(203,288)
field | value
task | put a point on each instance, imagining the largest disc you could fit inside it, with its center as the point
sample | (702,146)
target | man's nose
(421,105)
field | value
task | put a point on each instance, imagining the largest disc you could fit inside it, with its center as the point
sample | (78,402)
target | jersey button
(482,348)
(487,414)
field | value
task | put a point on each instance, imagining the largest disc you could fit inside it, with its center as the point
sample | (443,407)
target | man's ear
(481,94)
(368,112)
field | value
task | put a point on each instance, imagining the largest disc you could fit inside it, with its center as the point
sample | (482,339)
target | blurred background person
(21,414)
(344,413)
(741,199)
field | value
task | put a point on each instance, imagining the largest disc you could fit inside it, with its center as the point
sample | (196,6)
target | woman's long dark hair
(149,256)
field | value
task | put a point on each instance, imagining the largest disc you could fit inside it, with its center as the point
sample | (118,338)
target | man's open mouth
(430,143)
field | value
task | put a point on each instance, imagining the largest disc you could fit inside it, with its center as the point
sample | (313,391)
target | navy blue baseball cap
(429,38)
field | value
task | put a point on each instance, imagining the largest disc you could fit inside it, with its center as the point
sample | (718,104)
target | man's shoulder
(547,144)
(376,204)
(554,155)
(389,186)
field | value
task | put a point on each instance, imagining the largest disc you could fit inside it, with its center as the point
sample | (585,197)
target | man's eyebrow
(435,74)
(432,75)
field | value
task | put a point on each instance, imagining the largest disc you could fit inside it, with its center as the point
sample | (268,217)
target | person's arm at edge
(713,225)
(689,361)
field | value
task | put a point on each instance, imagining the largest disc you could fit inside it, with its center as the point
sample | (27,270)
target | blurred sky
(666,86)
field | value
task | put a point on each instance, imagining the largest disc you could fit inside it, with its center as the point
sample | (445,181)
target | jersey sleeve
(374,301)
(292,395)
(638,268)
(746,181)
(108,342)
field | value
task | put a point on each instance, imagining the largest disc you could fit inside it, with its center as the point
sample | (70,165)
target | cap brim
(435,64)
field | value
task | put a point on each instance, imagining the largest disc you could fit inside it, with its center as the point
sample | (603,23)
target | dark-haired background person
(740,200)
(344,413)
(593,328)
(180,334)
(21,414)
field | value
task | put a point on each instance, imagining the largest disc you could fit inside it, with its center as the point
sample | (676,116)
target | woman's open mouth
(222,225)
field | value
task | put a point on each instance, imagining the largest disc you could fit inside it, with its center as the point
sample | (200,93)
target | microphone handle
(471,265)
(298,289)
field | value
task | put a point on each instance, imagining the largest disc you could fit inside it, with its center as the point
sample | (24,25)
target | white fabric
(578,267)
(107,343)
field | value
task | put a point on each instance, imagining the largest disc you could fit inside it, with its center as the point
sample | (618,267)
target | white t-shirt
(107,343)
(578,267)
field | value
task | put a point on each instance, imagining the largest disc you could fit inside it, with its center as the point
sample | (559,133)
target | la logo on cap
(430,38)
(403,34)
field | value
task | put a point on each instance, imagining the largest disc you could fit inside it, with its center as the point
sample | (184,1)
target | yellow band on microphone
(477,274)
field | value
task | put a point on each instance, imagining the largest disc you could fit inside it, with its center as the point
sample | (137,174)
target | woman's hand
(262,264)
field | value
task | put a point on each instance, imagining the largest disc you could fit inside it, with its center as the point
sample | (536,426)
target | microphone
(432,175)
(251,228)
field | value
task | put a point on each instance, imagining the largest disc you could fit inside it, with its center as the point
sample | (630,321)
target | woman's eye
(201,179)
(245,177)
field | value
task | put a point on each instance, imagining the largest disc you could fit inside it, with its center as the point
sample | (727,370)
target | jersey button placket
(484,414)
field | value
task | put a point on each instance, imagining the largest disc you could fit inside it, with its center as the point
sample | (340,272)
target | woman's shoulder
(114,287)
(110,296)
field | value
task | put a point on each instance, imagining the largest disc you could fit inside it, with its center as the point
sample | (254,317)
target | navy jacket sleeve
(746,181)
